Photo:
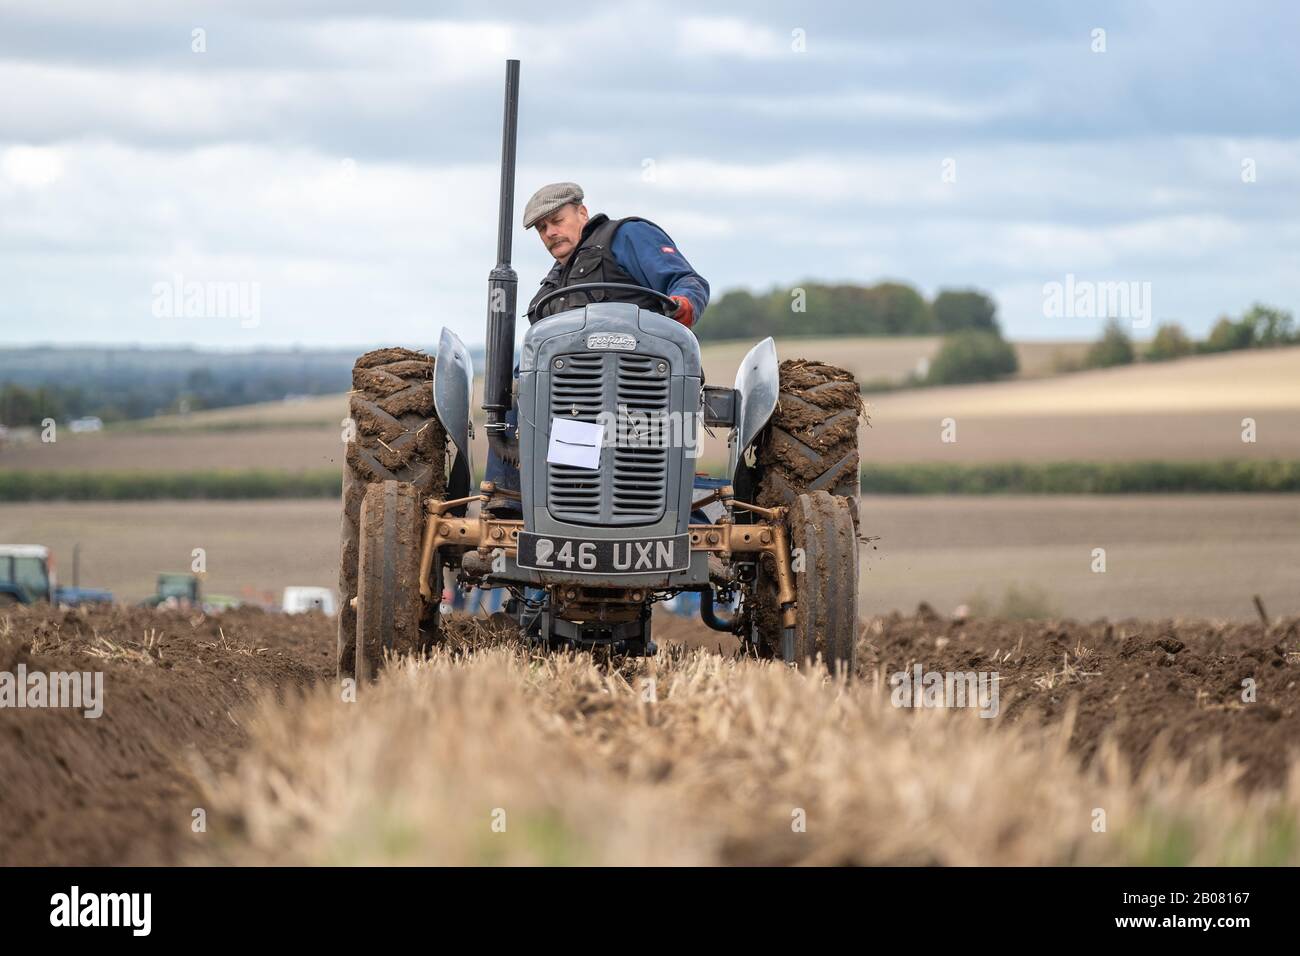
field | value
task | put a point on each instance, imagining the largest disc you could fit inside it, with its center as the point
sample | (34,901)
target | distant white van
(300,600)
(90,423)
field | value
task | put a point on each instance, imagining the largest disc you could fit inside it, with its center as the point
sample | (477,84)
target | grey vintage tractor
(611,515)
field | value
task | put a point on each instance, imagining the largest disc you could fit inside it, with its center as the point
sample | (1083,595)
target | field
(1166,556)
(1189,410)
(303,412)
(253,549)
(278,449)
(1103,744)
(1150,690)
(1176,556)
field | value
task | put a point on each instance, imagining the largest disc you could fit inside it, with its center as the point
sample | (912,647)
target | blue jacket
(648,254)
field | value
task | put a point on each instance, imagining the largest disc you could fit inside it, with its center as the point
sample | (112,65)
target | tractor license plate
(544,552)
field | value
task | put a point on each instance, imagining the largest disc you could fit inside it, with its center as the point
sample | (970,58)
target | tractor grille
(631,485)
(578,392)
(640,469)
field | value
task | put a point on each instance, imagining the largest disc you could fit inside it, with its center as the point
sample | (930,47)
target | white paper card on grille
(575,443)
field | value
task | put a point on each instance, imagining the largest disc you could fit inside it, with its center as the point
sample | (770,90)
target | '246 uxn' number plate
(545,552)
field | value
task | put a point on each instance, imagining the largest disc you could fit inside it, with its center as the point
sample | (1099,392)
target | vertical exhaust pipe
(503,287)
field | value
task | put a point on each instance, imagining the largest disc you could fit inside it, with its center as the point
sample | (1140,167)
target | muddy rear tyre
(390,609)
(810,445)
(397,438)
(811,442)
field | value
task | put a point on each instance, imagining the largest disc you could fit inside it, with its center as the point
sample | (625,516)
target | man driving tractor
(632,251)
(603,525)
(598,249)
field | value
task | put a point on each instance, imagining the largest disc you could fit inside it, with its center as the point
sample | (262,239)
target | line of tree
(1260,326)
(972,355)
(31,405)
(117,384)
(973,349)
(822,309)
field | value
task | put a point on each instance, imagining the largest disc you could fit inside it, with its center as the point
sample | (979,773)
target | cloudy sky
(338,160)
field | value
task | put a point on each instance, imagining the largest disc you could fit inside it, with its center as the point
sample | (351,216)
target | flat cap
(548,199)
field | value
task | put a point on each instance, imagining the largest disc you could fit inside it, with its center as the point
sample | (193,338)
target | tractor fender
(453,383)
(758,383)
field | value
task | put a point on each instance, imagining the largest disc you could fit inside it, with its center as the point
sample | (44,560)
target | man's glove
(685,312)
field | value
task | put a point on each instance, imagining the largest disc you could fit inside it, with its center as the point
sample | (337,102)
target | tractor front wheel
(390,609)
(824,552)
(396,437)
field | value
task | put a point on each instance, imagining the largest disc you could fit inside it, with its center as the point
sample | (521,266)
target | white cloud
(121,164)
(846,180)
(911,107)
(730,36)
(63,100)
(1057,248)
(32,167)
(440,53)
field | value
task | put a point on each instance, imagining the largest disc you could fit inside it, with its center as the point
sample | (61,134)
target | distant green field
(1069,477)
(150,485)
(1080,477)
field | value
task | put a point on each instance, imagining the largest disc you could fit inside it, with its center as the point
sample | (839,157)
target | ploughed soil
(123,788)
(1177,685)
(1184,685)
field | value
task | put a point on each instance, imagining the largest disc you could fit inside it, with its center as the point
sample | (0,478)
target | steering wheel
(671,303)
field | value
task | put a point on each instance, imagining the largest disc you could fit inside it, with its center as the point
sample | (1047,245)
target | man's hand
(685,312)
